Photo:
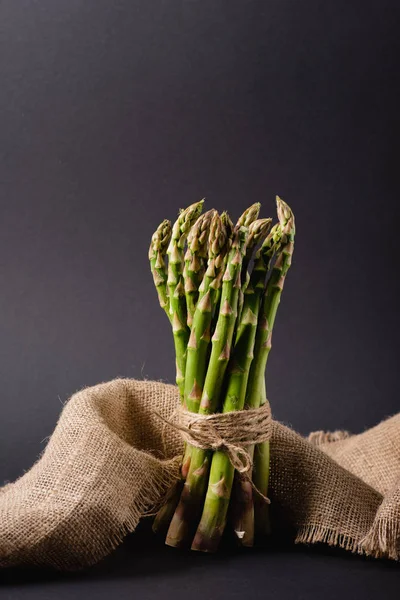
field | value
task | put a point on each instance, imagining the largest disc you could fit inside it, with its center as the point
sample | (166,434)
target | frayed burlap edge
(317,438)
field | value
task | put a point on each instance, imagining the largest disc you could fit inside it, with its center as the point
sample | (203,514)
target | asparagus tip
(285,216)
(258,230)
(160,239)
(249,215)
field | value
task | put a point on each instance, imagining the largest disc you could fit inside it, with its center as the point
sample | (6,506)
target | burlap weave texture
(111,459)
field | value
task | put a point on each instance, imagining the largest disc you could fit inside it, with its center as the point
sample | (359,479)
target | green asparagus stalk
(188,511)
(247,219)
(271,303)
(164,515)
(257,231)
(177,300)
(157,252)
(197,349)
(213,520)
(200,337)
(195,261)
(176,309)
(243,514)
(256,394)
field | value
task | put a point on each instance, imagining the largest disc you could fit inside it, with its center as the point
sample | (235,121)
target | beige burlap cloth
(111,459)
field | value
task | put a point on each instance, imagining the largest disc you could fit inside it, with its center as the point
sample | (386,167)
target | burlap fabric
(111,459)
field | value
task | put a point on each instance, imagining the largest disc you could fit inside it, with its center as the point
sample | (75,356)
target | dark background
(115,114)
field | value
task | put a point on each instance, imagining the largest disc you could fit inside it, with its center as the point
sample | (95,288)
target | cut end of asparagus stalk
(206,544)
(243,512)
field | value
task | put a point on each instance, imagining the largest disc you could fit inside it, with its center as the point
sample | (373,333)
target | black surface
(140,569)
(115,114)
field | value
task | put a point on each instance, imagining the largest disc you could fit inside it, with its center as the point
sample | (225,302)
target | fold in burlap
(111,459)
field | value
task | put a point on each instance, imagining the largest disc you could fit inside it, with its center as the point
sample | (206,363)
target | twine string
(228,432)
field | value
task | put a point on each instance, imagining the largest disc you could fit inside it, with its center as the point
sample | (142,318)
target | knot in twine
(228,432)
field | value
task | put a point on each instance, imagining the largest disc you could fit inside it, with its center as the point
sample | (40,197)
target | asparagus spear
(200,337)
(243,514)
(229,227)
(195,260)
(213,520)
(280,269)
(197,242)
(177,308)
(189,508)
(257,231)
(157,252)
(248,218)
(197,350)
(256,394)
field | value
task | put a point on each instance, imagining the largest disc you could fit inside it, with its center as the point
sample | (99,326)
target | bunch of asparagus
(220,291)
